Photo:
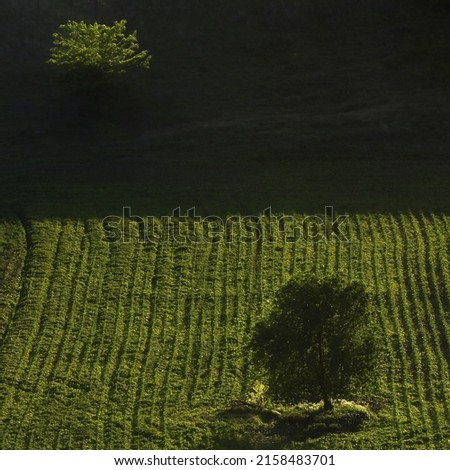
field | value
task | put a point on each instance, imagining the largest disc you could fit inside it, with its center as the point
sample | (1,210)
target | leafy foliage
(257,395)
(320,341)
(97,48)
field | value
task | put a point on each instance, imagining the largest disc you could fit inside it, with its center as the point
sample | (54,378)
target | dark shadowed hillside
(246,104)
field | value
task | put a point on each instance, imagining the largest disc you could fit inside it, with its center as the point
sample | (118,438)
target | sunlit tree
(319,342)
(96,50)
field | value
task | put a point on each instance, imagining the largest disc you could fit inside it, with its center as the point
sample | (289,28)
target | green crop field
(145,344)
(248,104)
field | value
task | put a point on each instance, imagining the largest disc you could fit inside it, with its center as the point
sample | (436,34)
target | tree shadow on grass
(249,427)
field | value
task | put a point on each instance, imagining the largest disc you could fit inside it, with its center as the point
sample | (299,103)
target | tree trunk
(327,404)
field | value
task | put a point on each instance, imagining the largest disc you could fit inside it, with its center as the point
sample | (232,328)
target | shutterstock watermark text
(192,228)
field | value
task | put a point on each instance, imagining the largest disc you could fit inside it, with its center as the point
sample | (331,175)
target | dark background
(247,104)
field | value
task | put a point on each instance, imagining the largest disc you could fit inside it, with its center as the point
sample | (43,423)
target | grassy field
(145,345)
(243,107)
(295,105)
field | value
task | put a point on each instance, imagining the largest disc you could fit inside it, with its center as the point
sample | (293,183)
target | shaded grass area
(221,188)
(242,108)
(245,427)
(253,428)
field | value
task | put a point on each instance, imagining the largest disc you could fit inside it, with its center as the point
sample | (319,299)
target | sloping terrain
(140,345)
(293,104)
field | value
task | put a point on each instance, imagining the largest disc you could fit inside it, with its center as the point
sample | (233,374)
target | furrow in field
(444,256)
(13,257)
(57,307)
(144,418)
(83,395)
(271,247)
(87,348)
(145,424)
(253,308)
(299,247)
(113,324)
(367,258)
(190,320)
(23,333)
(51,321)
(202,299)
(439,303)
(162,334)
(67,357)
(103,318)
(277,271)
(331,257)
(309,249)
(343,255)
(389,289)
(135,411)
(206,345)
(412,317)
(267,238)
(442,263)
(362,251)
(16,348)
(124,378)
(58,318)
(238,320)
(353,248)
(213,329)
(437,368)
(89,336)
(315,237)
(287,252)
(222,324)
(420,421)
(174,381)
(293,268)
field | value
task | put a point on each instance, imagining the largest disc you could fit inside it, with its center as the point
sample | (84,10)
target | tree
(94,51)
(320,341)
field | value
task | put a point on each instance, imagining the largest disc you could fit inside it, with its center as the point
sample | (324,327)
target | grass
(346,110)
(246,105)
(145,345)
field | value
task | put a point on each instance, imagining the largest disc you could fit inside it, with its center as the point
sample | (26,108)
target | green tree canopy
(96,48)
(319,342)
